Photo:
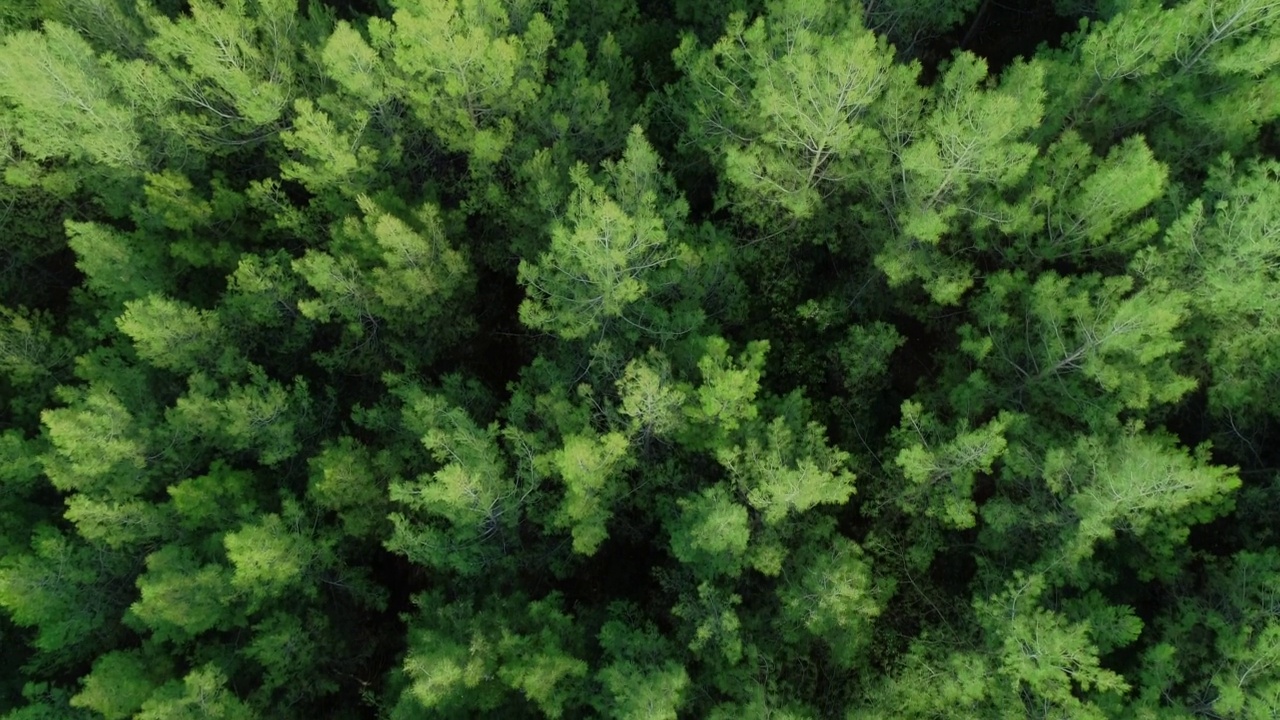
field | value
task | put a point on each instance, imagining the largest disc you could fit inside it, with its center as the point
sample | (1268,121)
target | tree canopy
(549,358)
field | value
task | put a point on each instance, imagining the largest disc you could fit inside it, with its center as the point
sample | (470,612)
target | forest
(724,359)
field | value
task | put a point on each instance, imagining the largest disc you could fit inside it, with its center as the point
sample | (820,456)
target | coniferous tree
(550,358)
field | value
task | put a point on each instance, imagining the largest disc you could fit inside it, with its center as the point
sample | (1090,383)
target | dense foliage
(567,358)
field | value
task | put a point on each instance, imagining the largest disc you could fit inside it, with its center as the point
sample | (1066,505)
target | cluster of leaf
(555,358)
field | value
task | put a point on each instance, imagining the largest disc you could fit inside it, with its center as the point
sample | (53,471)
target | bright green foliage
(1086,204)
(829,591)
(466,72)
(414,264)
(956,682)
(726,397)
(1223,34)
(120,683)
(349,61)
(945,164)
(216,500)
(971,147)
(611,252)
(171,335)
(228,67)
(590,468)
(1098,82)
(1122,343)
(781,103)
(711,533)
(586,110)
(201,694)
(1139,484)
(68,105)
(344,479)
(464,659)
(1224,86)
(109,25)
(97,445)
(459,515)
(329,159)
(410,267)
(341,287)
(651,399)
(1223,251)
(540,668)
(260,416)
(180,596)
(117,267)
(943,471)
(639,693)
(273,555)
(116,523)
(262,292)
(387,276)
(639,682)
(1089,347)
(1201,70)
(785,469)
(171,202)
(1052,659)
(440,670)
(1246,674)
(29,351)
(346,143)
(514,358)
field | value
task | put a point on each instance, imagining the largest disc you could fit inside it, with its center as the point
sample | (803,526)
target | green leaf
(201,695)
(786,470)
(226,62)
(711,533)
(458,516)
(640,693)
(943,470)
(118,267)
(641,680)
(829,590)
(726,397)
(68,105)
(344,478)
(782,105)
(97,446)
(711,618)
(1137,482)
(172,335)
(609,253)
(62,588)
(120,682)
(180,596)
(464,72)
(590,467)
(270,558)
